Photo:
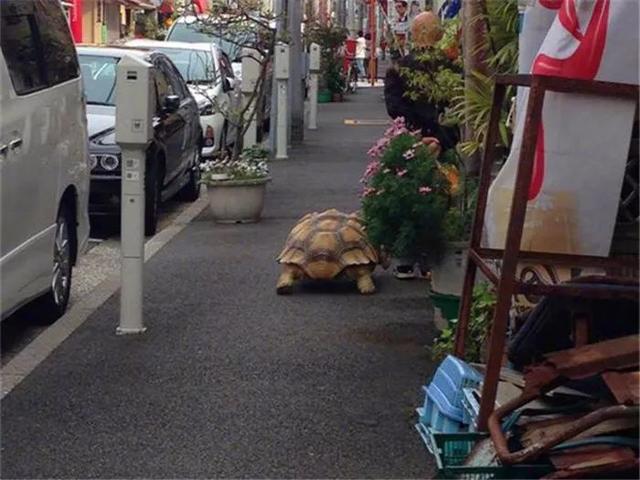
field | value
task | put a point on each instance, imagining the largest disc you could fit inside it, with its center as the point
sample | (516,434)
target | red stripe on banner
(584,64)
(551,4)
(569,19)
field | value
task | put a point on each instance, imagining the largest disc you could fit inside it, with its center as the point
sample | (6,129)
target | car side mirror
(171,103)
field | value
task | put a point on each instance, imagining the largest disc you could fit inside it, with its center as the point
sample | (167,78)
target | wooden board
(624,386)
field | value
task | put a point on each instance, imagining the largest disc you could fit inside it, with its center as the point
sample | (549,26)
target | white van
(44,163)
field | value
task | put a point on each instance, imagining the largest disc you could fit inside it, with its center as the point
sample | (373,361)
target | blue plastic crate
(438,413)
(452,376)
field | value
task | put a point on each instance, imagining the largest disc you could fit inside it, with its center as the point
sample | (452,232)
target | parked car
(44,163)
(188,28)
(173,157)
(208,74)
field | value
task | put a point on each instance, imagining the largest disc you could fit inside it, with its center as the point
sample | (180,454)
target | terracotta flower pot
(237,201)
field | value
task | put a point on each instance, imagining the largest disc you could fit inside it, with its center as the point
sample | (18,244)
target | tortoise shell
(324,244)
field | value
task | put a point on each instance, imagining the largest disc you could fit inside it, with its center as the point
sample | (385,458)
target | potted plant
(236,188)
(483,303)
(448,273)
(406,196)
(331,39)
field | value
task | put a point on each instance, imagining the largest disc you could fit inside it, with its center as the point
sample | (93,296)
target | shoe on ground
(404,272)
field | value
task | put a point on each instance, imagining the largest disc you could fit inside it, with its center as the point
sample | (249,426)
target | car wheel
(151,200)
(191,191)
(53,304)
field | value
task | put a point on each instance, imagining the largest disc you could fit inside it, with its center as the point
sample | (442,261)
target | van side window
(21,47)
(59,53)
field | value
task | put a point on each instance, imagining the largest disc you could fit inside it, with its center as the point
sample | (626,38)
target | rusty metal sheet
(596,471)
(588,360)
(624,386)
(539,432)
(590,456)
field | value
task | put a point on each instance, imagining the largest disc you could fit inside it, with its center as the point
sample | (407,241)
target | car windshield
(194,33)
(195,66)
(99,77)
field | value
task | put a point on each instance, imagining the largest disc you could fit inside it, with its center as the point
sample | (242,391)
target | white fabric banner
(584,140)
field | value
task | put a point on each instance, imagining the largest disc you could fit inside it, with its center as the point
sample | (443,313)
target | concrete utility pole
(279,14)
(294,21)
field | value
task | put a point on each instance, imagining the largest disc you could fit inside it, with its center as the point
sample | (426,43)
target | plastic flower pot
(324,96)
(237,201)
(448,275)
(448,305)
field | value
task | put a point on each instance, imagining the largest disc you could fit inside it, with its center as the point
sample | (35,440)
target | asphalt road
(231,380)
(101,259)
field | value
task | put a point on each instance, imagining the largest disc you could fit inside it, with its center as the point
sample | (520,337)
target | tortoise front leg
(362,276)
(287,278)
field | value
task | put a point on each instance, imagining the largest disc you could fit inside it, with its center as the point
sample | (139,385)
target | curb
(44,344)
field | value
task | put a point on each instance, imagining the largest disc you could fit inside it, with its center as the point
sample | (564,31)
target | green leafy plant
(331,39)
(472,104)
(439,69)
(406,195)
(482,307)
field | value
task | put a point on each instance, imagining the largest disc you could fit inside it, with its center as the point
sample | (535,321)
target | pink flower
(371,170)
(378,149)
(398,127)
(424,190)
(401,173)
(368,191)
(409,154)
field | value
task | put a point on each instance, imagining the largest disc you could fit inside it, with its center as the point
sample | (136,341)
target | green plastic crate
(451,449)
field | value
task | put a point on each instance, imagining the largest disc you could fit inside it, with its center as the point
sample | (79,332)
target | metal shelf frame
(511,255)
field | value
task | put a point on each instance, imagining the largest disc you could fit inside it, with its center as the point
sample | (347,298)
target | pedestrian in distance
(361,54)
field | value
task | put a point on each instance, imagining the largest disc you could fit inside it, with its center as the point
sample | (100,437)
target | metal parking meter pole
(281,75)
(251,61)
(135,105)
(314,70)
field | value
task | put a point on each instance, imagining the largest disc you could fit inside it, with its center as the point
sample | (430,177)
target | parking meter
(281,74)
(135,109)
(251,66)
(314,70)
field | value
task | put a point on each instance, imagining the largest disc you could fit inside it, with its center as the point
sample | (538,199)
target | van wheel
(53,304)
(151,200)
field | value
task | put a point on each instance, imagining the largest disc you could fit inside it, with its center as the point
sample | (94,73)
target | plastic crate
(452,376)
(451,450)
(438,413)
(470,409)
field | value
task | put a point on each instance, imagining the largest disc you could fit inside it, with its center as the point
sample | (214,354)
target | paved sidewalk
(231,380)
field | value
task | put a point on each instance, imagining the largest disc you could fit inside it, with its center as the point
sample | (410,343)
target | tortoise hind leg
(287,278)
(362,275)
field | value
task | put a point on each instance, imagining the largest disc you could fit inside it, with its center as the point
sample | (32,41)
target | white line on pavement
(44,344)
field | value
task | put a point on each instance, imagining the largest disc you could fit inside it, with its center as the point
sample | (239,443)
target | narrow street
(231,380)
(101,260)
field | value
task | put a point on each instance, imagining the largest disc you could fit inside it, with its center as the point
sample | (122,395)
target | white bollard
(314,69)
(281,75)
(135,108)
